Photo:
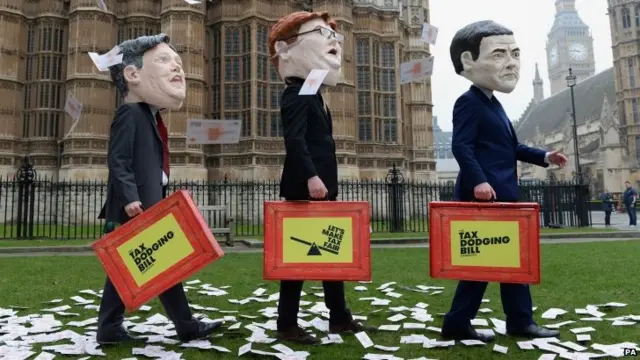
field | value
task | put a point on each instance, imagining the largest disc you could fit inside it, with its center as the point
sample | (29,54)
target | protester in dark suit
(629,198)
(486,148)
(607,206)
(299,43)
(150,78)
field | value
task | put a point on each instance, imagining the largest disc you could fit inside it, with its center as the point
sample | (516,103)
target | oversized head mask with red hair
(304,41)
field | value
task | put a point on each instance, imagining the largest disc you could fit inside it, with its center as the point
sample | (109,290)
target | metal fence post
(395,182)
(26,193)
(583,200)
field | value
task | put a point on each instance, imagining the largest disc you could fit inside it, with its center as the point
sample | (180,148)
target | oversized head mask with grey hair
(151,72)
(486,53)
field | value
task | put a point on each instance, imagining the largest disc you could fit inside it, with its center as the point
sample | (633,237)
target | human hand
(317,190)
(557,158)
(133,209)
(484,191)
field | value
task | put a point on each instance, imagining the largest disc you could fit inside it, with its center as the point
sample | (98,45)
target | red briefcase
(324,240)
(496,242)
(157,249)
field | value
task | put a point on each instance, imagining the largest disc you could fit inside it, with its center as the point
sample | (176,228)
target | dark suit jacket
(607,201)
(134,160)
(486,147)
(308,139)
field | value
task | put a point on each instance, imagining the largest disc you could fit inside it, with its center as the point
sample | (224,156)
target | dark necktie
(164,135)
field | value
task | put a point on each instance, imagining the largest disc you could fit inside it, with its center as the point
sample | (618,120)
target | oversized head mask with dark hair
(486,54)
(305,41)
(151,72)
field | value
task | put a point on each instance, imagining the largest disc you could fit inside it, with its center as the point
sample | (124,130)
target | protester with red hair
(299,43)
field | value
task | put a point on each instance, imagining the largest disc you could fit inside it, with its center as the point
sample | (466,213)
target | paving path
(618,220)
(242,249)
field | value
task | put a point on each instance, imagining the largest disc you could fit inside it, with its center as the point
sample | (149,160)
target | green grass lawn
(47,242)
(412,235)
(574,275)
(374,236)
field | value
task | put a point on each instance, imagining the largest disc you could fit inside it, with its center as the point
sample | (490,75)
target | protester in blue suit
(629,198)
(486,148)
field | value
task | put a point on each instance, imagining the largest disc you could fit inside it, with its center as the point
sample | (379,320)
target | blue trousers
(633,217)
(516,303)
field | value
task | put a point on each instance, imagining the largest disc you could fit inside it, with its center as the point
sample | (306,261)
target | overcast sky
(530,21)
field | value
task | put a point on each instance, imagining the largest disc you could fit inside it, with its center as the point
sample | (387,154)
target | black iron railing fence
(32,207)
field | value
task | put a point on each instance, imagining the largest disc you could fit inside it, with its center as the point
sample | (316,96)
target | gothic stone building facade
(624,18)
(548,123)
(223,43)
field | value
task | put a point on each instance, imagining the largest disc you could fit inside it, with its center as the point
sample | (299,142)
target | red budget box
(157,249)
(495,242)
(323,240)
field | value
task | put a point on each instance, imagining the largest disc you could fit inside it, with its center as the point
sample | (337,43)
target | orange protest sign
(497,242)
(324,240)
(157,249)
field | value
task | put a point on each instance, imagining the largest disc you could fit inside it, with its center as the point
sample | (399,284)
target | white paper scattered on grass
(500,349)
(553,313)
(64,328)
(583,337)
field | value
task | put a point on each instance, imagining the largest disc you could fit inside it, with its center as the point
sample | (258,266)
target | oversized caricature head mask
(486,53)
(151,72)
(304,41)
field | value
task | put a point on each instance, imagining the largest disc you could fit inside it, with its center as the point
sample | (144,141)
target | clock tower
(569,45)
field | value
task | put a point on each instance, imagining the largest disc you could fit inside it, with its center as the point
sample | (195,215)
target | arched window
(626,18)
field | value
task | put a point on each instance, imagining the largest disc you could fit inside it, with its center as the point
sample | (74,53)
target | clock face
(578,51)
(553,56)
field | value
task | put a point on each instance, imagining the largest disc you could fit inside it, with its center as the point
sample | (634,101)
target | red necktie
(164,135)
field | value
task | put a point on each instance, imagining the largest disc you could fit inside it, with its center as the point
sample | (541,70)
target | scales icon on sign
(314,249)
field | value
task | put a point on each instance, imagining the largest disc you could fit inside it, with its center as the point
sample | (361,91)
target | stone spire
(538,89)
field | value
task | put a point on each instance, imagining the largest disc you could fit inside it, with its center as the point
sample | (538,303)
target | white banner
(416,70)
(73,107)
(206,132)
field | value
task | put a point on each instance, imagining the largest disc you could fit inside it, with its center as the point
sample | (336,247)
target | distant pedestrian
(607,206)
(629,199)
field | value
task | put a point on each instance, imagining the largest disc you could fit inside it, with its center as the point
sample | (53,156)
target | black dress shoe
(204,330)
(534,331)
(350,326)
(298,335)
(115,337)
(468,333)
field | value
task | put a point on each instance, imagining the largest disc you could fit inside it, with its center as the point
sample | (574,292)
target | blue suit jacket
(486,147)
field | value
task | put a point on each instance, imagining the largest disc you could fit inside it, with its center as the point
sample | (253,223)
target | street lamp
(571,82)
(580,208)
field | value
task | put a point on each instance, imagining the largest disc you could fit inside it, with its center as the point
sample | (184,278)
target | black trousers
(174,301)
(516,304)
(607,218)
(289,301)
